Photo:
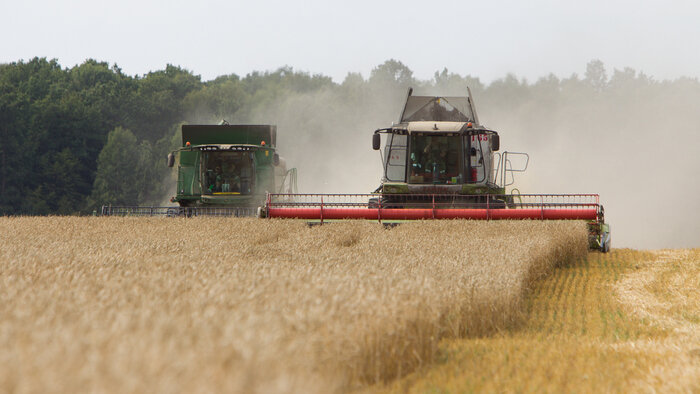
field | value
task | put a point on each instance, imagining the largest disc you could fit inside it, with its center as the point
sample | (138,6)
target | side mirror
(495,142)
(171,159)
(276,159)
(376,141)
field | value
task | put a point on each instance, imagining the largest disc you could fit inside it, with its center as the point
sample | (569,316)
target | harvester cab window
(228,172)
(435,159)
(475,157)
(395,158)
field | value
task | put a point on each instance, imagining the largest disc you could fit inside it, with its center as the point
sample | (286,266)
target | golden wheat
(625,321)
(244,305)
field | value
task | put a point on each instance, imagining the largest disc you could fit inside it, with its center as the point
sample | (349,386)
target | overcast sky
(486,39)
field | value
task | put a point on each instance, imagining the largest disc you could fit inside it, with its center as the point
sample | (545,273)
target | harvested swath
(132,304)
(625,321)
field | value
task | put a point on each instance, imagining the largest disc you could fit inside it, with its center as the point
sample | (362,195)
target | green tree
(392,72)
(24,88)
(216,100)
(452,84)
(66,193)
(121,177)
(596,75)
(13,169)
(159,98)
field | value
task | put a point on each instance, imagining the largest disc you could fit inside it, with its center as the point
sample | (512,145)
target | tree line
(73,139)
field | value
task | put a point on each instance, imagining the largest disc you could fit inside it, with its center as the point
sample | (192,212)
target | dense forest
(72,139)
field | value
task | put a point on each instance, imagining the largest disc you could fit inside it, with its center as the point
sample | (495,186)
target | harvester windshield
(435,159)
(227,172)
(441,109)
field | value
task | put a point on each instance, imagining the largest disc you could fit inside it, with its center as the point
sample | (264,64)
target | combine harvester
(223,170)
(440,162)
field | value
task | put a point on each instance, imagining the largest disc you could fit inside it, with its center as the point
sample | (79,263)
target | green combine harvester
(223,170)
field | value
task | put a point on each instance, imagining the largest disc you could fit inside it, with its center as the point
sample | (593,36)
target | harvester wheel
(373,203)
(605,244)
(497,204)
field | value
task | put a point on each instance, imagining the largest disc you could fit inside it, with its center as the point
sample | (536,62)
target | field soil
(628,321)
(242,305)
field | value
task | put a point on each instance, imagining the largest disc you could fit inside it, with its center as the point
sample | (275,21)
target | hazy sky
(486,39)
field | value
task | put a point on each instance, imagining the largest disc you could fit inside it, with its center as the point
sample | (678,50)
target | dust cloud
(635,145)
(327,136)
(637,148)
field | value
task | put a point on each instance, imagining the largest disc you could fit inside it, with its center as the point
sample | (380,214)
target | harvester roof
(229,134)
(437,127)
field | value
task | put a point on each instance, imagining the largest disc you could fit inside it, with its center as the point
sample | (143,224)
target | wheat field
(244,305)
(627,321)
